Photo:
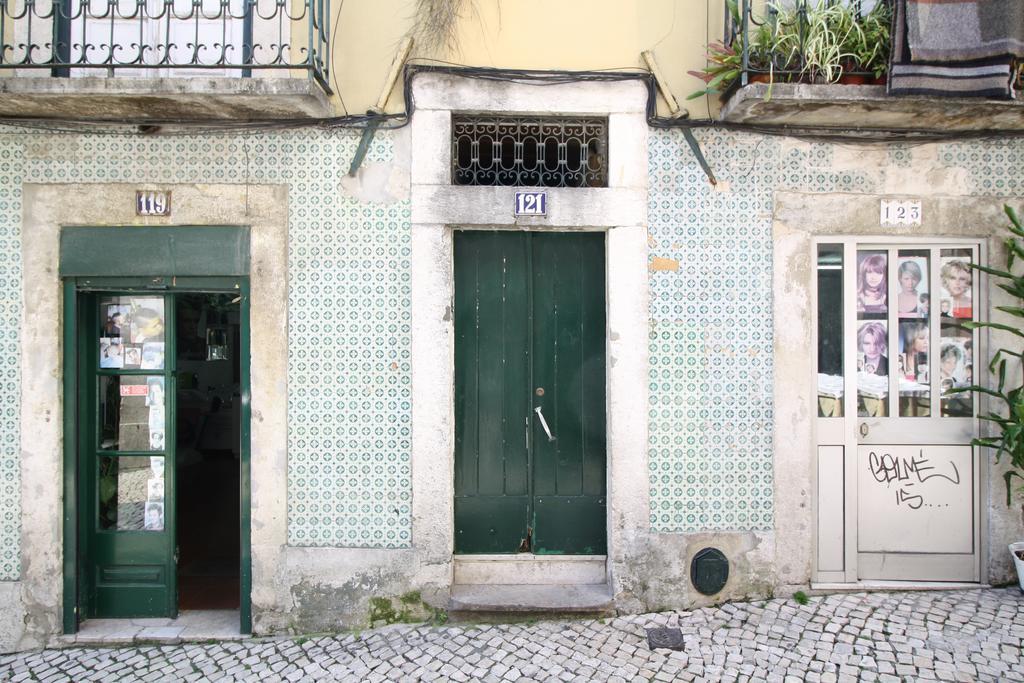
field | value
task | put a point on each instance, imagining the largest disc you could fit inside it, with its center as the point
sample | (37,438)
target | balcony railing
(166,37)
(808,41)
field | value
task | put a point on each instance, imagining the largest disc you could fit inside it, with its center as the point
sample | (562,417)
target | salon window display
(957,282)
(913,300)
(872,368)
(956,370)
(132,333)
(872,282)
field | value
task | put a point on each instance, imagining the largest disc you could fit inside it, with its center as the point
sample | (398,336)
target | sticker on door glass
(132,333)
(131,493)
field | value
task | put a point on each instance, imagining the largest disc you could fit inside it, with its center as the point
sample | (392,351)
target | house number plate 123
(152,203)
(531,203)
(895,213)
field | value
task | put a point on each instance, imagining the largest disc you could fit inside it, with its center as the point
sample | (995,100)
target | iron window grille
(531,151)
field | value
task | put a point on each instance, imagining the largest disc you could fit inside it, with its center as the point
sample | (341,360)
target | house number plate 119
(152,203)
(531,203)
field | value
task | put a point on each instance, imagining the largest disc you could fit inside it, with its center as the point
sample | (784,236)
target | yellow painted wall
(527,34)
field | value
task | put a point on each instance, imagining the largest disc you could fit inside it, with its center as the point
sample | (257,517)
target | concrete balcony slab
(162,99)
(866,107)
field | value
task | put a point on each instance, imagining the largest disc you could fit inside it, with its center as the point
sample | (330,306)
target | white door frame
(838,438)
(439,207)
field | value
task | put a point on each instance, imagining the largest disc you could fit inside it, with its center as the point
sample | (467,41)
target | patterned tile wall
(710,415)
(11,172)
(349,373)
(349,390)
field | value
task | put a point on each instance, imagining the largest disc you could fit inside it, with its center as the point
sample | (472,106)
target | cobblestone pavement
(958,635)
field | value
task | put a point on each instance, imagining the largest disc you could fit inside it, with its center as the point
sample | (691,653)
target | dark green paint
(245,571)
(151,251)
(70,380)
(122,573)
(529,313)
(127,573)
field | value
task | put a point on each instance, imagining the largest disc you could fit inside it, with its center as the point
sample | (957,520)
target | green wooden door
(529,393)
(126,454)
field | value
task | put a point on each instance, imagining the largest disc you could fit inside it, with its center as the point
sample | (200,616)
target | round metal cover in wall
(709,570)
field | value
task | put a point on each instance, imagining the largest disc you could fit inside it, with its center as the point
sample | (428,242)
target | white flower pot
(1019,563)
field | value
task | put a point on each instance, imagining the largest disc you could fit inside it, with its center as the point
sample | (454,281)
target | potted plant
(869,43)
(1008,421)
(827,36)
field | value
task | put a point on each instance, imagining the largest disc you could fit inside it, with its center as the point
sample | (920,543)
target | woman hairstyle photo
(872,341)
(949,360)
(957,280)
(871,284)
(909,276)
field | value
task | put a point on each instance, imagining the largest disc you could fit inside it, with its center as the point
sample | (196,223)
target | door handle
(863,428)
(544,423)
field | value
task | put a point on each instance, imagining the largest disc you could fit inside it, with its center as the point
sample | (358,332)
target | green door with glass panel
(529,393)
(126,454)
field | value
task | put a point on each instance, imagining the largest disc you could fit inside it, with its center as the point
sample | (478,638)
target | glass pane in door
(914,306)
(872,333)
(830,330)
(956,353)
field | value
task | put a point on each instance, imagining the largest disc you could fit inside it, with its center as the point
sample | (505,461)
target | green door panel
(529,334)
(491,524)
(152,251)
(569,365)
(569,525)
(491,373)
(126,454)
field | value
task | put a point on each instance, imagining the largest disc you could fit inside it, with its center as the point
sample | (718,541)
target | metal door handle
(863,428)
(544,423)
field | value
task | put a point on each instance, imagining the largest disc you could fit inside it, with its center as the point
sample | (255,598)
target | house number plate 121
(152,203)
(531,203)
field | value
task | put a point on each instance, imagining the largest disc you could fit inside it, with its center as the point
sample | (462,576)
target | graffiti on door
(910,474)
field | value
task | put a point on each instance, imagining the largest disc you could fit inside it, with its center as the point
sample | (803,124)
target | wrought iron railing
(820,41)
(136,37)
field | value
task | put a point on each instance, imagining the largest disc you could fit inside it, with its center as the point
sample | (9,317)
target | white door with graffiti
(898,479)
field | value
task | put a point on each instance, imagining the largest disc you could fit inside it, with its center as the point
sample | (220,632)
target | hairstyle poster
(913,300)
(956,278)
(872,283)
(872,347)
(111,352)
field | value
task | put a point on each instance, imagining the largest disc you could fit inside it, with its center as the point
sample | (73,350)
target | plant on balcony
(869,41)
(725,62)
(724,66)
(830,29)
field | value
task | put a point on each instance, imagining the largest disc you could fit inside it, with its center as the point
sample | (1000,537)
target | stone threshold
(190,626)
(867,586)
(531,598)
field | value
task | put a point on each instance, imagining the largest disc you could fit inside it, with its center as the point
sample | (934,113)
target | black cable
(833,134)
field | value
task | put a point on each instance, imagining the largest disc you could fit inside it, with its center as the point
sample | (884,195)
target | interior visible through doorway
(208,450)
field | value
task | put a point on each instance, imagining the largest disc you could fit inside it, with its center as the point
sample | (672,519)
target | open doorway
(209,411)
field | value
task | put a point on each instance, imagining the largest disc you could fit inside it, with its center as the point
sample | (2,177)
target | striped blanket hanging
(955,48)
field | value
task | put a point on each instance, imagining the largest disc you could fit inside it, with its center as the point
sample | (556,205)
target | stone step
(530,569)
(531,599)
